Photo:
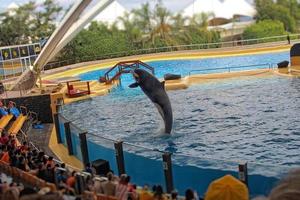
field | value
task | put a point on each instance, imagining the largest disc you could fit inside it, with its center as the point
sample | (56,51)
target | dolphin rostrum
(156,92)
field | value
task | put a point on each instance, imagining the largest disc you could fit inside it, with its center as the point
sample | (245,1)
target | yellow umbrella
(227,188)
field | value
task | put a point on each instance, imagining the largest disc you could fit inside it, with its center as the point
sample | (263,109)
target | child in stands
(3,110)
(13,110)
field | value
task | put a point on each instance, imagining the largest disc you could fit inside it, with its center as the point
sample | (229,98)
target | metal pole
(120,157)
(57,128)
(167,166)
(243,172)
(84,148)
(68,137)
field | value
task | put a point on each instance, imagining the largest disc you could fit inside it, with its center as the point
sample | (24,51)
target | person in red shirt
(24,147)
(5,155)
(71,180)
(3,138)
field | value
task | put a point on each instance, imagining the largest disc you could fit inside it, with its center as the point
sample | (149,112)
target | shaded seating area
(4,121)
(77,89)
(14,122)
(17,125)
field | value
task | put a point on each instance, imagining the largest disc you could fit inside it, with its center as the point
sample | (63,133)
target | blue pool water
(216,124)
(184,66)
(250,119)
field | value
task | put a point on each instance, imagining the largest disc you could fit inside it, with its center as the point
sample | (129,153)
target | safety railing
(274,40)
(153,166)
(268,66)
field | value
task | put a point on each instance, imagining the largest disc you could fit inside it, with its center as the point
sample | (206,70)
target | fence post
(243,173)
(84,148)
(120,157)
(68,137)
(167,166)
(57,128)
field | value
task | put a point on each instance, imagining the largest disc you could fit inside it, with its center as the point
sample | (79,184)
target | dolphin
(156,92)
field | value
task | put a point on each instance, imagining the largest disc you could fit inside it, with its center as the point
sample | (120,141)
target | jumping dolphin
(156,92)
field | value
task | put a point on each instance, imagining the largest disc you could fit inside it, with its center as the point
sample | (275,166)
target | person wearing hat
(227,188)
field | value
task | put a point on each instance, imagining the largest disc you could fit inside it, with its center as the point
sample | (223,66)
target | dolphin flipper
(134,85)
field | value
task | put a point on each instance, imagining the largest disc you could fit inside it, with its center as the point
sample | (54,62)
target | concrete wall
(38,103)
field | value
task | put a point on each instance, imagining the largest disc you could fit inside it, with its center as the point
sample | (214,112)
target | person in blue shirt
(13,110)
(3,110)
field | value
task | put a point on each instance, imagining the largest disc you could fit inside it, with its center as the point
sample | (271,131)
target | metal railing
(231,68)
(214,45)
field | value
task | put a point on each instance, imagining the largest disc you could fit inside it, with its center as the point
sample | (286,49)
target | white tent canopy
(220,8)
(111,13)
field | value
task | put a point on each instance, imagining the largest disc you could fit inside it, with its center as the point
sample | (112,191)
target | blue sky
(173,5)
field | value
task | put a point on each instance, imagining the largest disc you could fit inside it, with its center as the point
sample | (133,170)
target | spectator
(3,138)
(50,162)
(24,147)
(49,174)
(89,169)
(13,110)
(174,195)
(227,188)
(71,180)
(158,195)
(5,155)
(145,194)
(109,187)
(41,171)
(189,195)
(11,194)
(288,188)
(3,110)
(131,189)
(122,188)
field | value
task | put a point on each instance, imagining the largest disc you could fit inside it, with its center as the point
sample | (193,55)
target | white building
(11,8)
(111,13)
(221,8)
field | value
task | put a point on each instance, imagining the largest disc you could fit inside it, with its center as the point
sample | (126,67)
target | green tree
(44,23)
(142,18)
(265,28)
(162,27)
(200,20)
(267,9)
(132,31)
(16,28)
(28,23)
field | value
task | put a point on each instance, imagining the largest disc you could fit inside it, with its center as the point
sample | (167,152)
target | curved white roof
(220,8)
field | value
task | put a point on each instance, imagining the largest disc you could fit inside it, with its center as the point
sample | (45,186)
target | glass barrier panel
(198,173)
(101,148)
(144,165)
(61,121)
(266,175)
(75,131)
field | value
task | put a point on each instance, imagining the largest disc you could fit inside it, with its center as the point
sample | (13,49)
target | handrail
(123,66)
(212,45)
(229,68)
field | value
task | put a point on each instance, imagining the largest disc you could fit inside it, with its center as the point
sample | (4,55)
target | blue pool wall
(149,171)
